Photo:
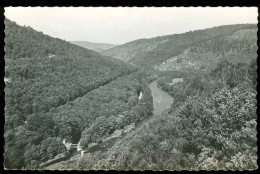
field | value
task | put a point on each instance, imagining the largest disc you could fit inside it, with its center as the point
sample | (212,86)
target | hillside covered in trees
(47,77)
(56,90)
(211,124)
(196,46)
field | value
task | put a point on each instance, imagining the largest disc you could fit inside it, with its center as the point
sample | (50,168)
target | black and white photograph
(130,88)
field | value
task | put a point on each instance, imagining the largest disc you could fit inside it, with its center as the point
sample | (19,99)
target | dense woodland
(57,90)
(211,124)
(150,52)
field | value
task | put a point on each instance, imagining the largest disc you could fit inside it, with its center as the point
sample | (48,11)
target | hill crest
(154,51)
(98,47)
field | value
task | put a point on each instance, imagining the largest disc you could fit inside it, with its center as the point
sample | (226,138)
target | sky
(118,25)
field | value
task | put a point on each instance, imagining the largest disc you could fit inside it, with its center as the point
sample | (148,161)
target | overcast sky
(121,25)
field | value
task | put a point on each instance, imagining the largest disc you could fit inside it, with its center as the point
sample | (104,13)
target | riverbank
(161,101)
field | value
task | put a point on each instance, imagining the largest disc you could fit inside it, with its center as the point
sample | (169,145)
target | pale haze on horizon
(118,25)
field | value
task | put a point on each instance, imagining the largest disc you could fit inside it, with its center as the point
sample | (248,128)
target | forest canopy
(48,76)
(55,91)
(211,124)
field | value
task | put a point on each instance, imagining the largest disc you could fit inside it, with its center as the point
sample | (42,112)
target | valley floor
(161,101)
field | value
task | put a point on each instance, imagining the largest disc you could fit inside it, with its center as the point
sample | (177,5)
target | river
(161,99)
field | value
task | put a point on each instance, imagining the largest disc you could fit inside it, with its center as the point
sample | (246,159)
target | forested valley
(56,90)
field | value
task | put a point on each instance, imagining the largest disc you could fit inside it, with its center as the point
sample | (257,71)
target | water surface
(161,99)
